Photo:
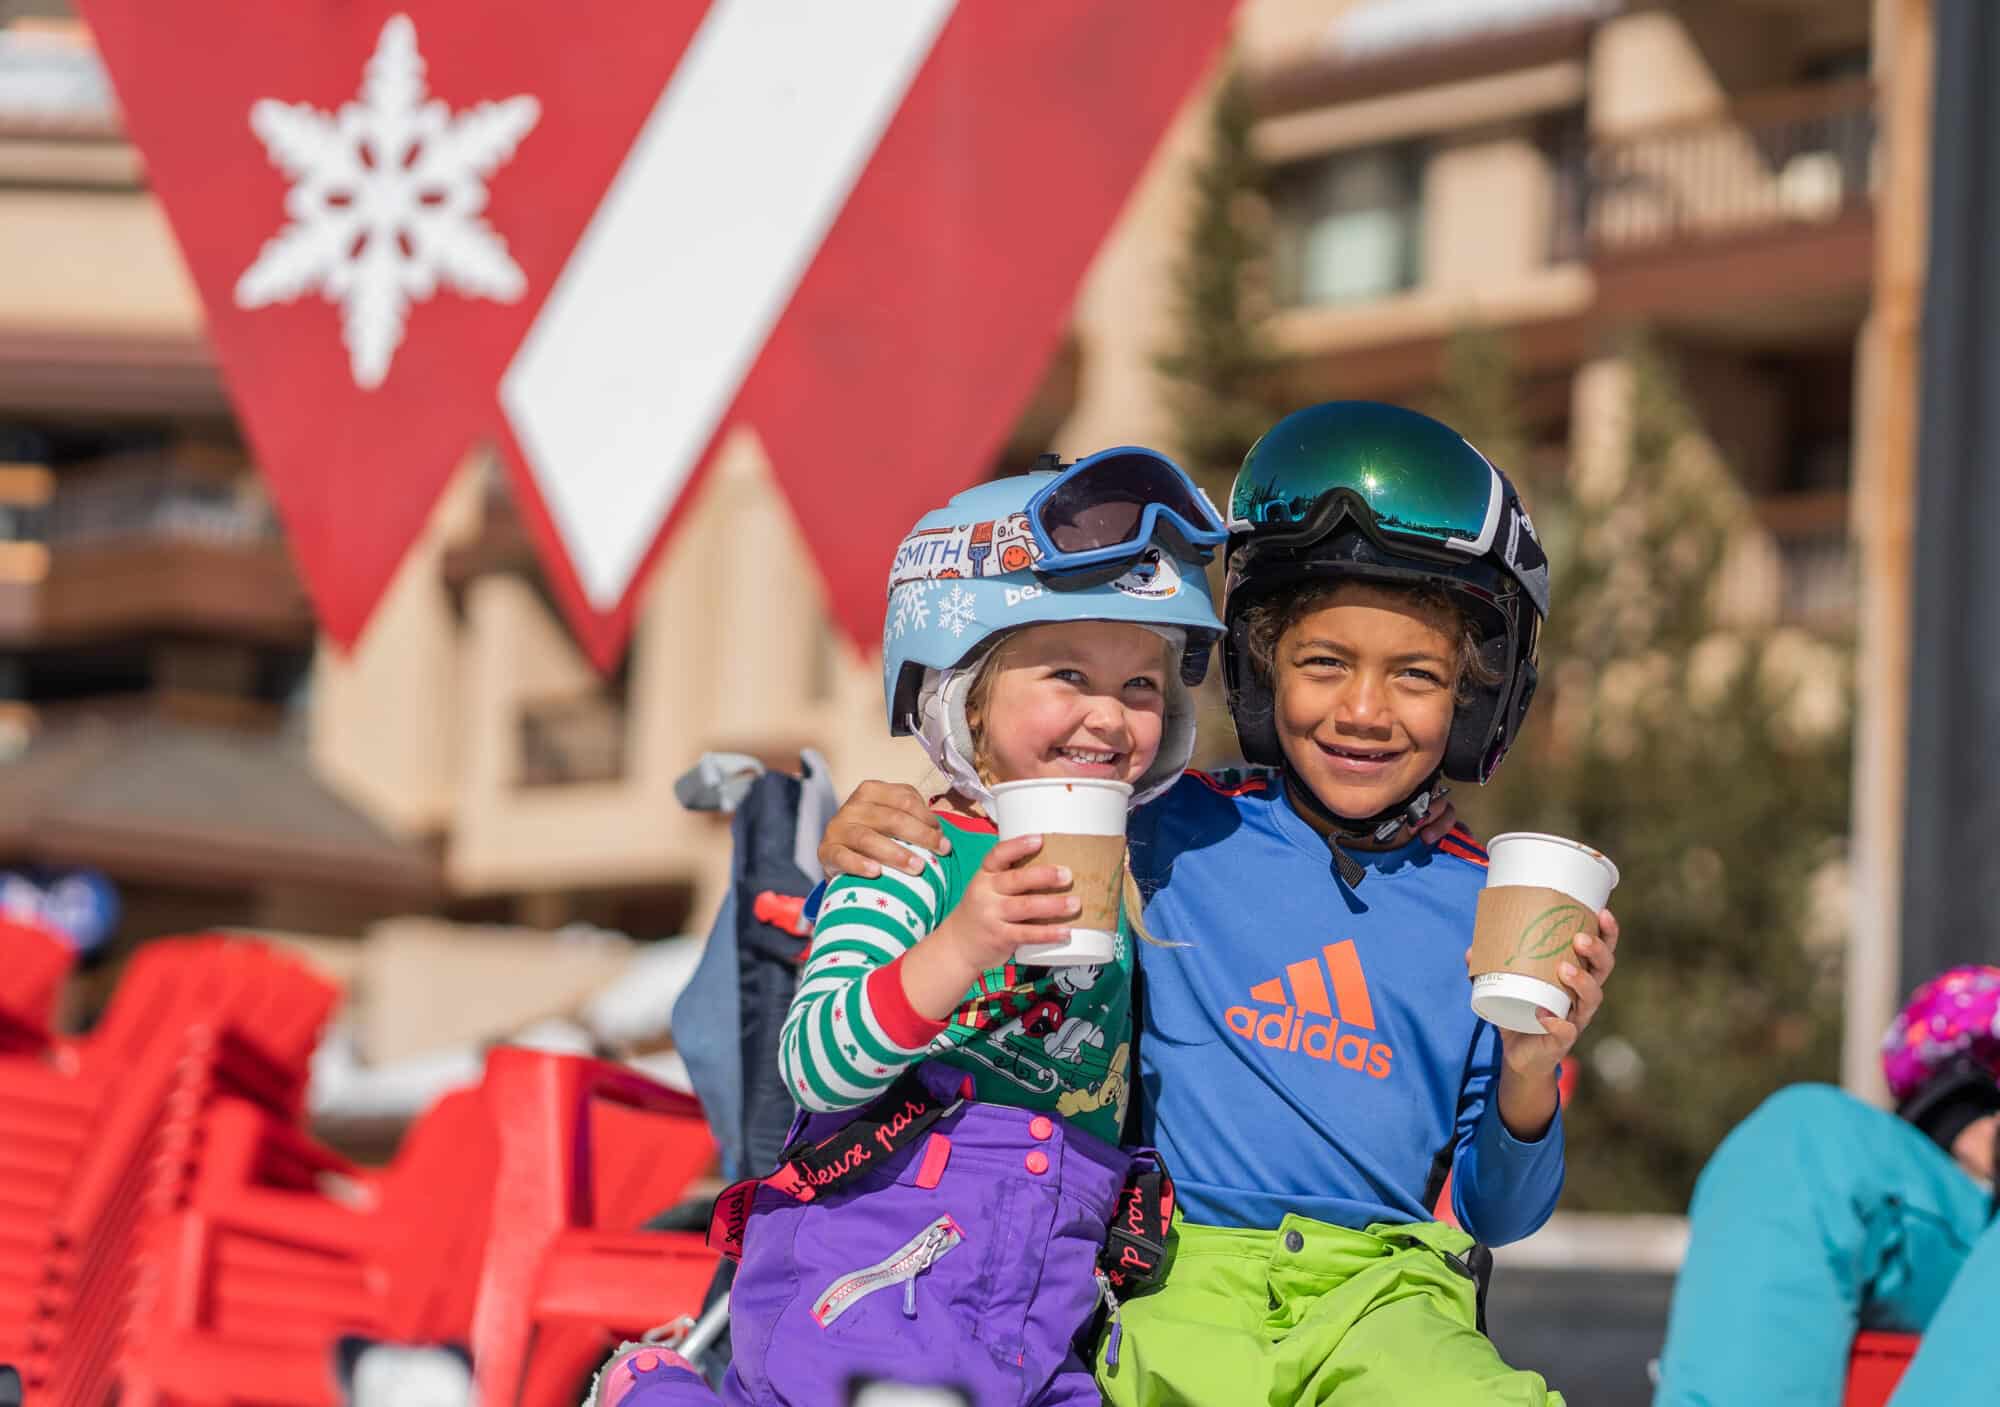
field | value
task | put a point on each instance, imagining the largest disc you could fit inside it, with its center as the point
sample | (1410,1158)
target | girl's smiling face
(1364,691)
(1071,699)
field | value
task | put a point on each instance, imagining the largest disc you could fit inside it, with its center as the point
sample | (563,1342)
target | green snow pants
(1311,1313)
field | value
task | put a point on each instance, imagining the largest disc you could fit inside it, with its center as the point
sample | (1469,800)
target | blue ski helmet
(970,572)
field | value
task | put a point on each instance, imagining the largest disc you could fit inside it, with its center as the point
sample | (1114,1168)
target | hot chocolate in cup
(1081,821)
(1541,891)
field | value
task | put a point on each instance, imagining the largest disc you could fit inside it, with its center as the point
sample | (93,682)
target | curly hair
(1267,621)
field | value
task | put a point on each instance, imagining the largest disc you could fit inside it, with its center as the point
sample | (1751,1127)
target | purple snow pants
(980,1280)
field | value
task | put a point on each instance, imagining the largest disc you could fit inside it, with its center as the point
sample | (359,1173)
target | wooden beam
(1885,498)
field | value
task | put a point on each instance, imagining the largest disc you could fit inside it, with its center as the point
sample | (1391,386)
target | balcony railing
(1802,156)
(151,499)
(141,542)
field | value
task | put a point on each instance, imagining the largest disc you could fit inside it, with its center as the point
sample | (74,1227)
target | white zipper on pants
(900,1267)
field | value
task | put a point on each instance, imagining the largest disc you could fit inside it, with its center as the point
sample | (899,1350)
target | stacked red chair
(91,1124)
(170,1234)
(269,1248)
(44,1122)
(587,1150)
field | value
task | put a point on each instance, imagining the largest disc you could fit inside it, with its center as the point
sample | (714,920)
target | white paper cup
(1061,806)
(1058,807)
(1511,1000)
(1551,862)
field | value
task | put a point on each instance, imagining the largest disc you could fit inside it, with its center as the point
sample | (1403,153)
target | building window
(569,742)
(1349,227)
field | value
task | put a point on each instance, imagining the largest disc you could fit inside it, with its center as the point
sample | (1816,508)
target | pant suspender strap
(1135,1251)
(878,1131)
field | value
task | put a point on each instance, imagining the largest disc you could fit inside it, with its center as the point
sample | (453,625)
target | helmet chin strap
(1383,826)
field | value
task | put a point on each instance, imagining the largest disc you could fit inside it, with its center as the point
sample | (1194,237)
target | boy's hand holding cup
(1082,824)
(1541,892)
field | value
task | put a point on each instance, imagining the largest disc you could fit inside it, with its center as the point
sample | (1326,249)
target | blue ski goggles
(1108,508)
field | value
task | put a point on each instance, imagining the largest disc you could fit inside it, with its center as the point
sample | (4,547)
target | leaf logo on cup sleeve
(1549,932)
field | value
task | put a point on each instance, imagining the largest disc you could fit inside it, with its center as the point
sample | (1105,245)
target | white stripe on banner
(739,172)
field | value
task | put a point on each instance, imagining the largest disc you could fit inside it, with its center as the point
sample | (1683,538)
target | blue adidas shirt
(1312,1048)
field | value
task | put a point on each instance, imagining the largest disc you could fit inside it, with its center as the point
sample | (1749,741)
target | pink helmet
(1953,1020)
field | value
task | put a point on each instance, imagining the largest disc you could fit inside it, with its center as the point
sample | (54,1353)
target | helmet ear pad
(1473,716)
(1516,713)
(1252,701)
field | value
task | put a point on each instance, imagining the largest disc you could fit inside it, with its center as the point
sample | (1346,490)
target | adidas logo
(1341,1041)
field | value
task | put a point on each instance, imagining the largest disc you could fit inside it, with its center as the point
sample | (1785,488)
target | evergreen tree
(1220,361)
(1477,396)
(1706,753)
(1708,757)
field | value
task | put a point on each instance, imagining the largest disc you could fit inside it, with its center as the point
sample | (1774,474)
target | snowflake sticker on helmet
(957,611)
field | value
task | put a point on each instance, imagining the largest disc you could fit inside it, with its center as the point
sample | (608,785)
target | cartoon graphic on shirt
(1112,1090)
(1035,1033)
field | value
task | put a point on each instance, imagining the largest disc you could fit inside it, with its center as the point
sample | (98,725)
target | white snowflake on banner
(956,611)
(385,202)
(908,608)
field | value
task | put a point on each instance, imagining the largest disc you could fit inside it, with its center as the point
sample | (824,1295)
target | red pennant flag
(373,200)
(937,302)
(608,233)
(918,329)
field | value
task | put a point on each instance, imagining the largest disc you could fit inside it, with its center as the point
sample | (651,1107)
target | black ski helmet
(1362,491)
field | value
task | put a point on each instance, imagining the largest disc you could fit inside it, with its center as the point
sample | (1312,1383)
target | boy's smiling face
(1364,693)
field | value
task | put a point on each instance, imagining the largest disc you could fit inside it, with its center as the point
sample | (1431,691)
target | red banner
(605,234)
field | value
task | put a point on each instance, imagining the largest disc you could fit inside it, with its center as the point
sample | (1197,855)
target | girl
(1820,1214)
(949,1187)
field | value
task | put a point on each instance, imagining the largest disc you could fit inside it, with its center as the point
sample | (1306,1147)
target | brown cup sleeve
(1527,929)
(1097,868)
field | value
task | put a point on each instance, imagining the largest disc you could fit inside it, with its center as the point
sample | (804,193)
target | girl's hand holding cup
(1005,908)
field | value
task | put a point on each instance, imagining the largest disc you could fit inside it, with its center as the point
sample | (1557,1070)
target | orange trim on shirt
(1471,854)
(1242,788)
(1467,839)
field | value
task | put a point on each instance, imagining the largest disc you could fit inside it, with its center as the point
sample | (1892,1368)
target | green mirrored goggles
(1419,481)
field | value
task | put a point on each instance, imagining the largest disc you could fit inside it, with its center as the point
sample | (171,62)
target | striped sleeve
(851,1030)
